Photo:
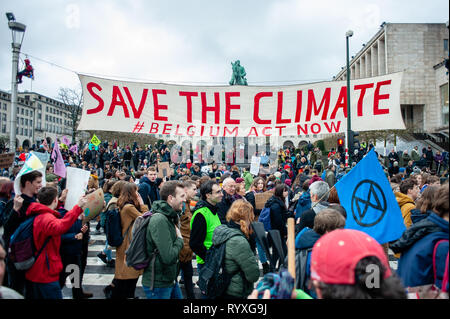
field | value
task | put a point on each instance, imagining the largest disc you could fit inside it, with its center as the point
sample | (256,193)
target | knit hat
(335,255)
(239,180)
(287,166)
(315,178)
(277,175)
(288,182)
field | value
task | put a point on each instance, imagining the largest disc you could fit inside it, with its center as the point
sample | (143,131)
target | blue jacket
(303,204)
(417,216)
(149,190)
(69,244)
(416,245)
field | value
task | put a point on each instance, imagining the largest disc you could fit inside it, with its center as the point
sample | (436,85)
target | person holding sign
(30,184)
(42,279)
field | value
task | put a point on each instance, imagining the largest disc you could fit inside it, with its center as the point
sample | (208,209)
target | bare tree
(73,99)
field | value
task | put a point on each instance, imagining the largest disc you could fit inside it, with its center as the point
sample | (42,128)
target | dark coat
(416,246)
(224,206)
(149,190)
(278,215)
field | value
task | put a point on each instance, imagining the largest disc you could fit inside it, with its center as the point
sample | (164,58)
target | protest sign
(95,140)
(6,160)
(254,167)
(164,169)
(94,205)
(76,182)
(262,198)
(299,110)
(371,206)
(31,164)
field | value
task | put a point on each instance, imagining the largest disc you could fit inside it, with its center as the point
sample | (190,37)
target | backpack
(22,250)
(301,268)
(136,254)
(264,218)
(213,280)
(444,283)
(113,228)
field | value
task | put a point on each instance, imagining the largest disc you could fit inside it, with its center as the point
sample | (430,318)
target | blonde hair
(241,212)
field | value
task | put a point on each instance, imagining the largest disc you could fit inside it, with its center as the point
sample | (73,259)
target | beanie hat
(239,180)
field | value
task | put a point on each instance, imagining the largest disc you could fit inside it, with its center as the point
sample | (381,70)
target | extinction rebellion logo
(368,203)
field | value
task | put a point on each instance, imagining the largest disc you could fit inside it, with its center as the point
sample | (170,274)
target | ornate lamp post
(17,34)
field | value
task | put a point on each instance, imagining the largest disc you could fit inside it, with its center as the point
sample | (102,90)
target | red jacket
(48,266)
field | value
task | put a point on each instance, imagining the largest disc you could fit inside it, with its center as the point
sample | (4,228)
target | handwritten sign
(261,199)
(6,160)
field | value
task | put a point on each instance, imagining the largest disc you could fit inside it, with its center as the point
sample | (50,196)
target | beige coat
(127,215)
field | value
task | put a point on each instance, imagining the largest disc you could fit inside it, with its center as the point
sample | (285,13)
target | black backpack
(113,227)
(213,278)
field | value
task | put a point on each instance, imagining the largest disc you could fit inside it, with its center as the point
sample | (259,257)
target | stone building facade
(419,51)
(38,117)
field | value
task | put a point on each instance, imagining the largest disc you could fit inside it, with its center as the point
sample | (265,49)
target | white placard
(76,183)
(254,168)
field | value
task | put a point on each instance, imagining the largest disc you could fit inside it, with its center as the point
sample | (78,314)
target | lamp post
(349,121)
(17,33)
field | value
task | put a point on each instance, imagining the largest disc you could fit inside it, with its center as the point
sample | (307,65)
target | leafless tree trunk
(73,99)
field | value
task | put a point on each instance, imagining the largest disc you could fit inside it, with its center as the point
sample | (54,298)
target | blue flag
(371,207)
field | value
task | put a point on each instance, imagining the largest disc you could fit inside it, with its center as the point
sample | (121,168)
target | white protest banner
(76,182)
(316,108)
(254,167)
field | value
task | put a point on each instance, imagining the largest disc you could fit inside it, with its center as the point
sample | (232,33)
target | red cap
(335,255)
(286,166)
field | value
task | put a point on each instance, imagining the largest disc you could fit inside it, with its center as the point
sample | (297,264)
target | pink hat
(315,178)
(287,182)
(335,255)
(239,180)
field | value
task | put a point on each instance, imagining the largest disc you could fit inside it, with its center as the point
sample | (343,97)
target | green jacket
(161,234)
(248,178)
(238,257)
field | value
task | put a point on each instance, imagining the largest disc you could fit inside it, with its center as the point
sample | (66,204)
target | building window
(4,117)
(26,112)
(26,122)
(444,103)
(39,106)
(31,133)
(46,108)
(4,128)
(446,45)
(5,107)
(39,116)
(26,132)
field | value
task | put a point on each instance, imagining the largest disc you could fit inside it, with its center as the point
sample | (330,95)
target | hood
(38,209)
(223,232)
(308,239)
(305,198)
(272,200)
(162,207)
(403,199)
(144,179)
(432,224)
(202,203)
(320,206)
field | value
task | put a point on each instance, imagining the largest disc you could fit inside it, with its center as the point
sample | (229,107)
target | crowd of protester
(201,204)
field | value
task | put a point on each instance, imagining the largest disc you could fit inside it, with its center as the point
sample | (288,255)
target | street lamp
(17,34)
(349,127)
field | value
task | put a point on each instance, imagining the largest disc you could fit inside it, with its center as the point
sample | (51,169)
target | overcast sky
(194,42)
